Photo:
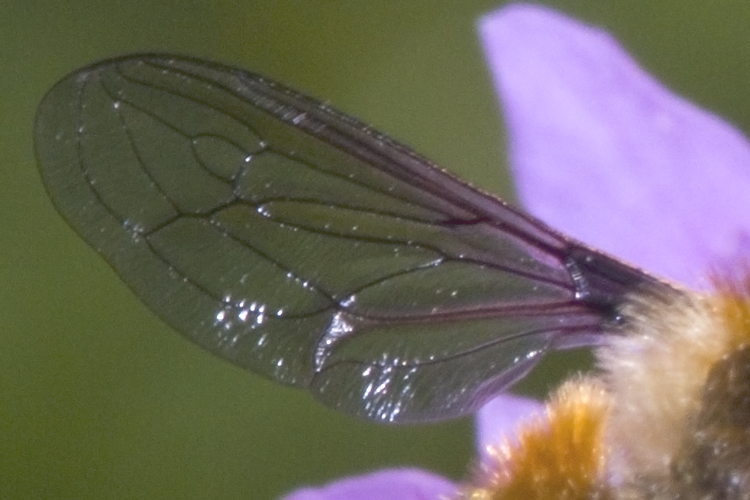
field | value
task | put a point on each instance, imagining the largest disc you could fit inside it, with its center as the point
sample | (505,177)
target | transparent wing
(300,244)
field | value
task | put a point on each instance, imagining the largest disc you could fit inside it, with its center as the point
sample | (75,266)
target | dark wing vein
(298,243)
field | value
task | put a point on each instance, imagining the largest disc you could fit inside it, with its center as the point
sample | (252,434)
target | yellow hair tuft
(556,456)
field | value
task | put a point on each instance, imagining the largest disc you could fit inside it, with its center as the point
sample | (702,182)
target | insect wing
(300,244)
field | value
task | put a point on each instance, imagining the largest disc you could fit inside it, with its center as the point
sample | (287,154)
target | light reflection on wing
(298,243)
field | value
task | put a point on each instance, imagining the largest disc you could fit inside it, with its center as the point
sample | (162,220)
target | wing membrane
(297,242)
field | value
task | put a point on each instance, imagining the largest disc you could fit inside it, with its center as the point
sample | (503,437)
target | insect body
(298,243)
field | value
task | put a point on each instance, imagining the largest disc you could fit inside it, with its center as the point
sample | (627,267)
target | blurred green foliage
(97,398)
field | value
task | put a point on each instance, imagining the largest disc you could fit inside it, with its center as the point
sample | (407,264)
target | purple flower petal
(402,484)
(498,420)
(603,152)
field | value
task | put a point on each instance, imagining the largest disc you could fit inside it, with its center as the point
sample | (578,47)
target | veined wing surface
(297,242)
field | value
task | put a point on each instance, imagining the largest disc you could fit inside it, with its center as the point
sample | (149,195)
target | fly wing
(300,244)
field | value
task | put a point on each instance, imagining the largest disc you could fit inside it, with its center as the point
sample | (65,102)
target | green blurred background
(97,398)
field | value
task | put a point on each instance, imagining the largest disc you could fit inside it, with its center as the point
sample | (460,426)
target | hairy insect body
(715,461)
(667,419)
(560,454)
